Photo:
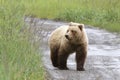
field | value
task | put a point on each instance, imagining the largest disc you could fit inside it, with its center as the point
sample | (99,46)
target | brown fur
(66,40)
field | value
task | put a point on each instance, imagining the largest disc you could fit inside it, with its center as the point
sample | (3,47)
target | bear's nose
(66,36)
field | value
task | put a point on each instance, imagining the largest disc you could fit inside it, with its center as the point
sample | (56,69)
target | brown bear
(65,40)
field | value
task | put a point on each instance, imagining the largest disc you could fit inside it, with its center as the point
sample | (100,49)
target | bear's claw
(63,68)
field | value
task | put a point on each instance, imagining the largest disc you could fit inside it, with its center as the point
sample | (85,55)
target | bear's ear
(81,26)
(71,23)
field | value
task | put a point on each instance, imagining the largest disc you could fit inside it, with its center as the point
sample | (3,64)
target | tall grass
(19,60)
(100,13)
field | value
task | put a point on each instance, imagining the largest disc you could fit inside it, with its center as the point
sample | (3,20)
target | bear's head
(74,32)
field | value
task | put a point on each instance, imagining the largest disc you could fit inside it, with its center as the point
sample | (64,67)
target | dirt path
(103,61)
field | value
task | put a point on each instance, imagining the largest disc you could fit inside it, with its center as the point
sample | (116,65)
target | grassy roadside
(100,13)
(19,60)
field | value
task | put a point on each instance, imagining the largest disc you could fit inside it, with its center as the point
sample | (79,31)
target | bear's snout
(66,36)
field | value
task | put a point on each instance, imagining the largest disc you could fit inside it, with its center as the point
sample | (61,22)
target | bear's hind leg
(54,58)
(80,58)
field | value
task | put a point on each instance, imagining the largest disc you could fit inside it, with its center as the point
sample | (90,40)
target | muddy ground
(103,60)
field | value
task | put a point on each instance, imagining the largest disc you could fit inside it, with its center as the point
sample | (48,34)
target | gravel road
(103,60)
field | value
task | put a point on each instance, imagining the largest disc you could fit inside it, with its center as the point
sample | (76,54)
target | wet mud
(103,60)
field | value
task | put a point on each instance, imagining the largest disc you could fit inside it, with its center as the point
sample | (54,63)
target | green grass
(100,13)
(19,60)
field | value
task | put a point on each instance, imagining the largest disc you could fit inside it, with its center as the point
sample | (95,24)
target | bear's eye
(67,30)
(73,31)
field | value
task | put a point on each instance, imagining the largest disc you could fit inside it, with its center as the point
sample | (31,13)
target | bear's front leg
(80,58)
(62,61)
